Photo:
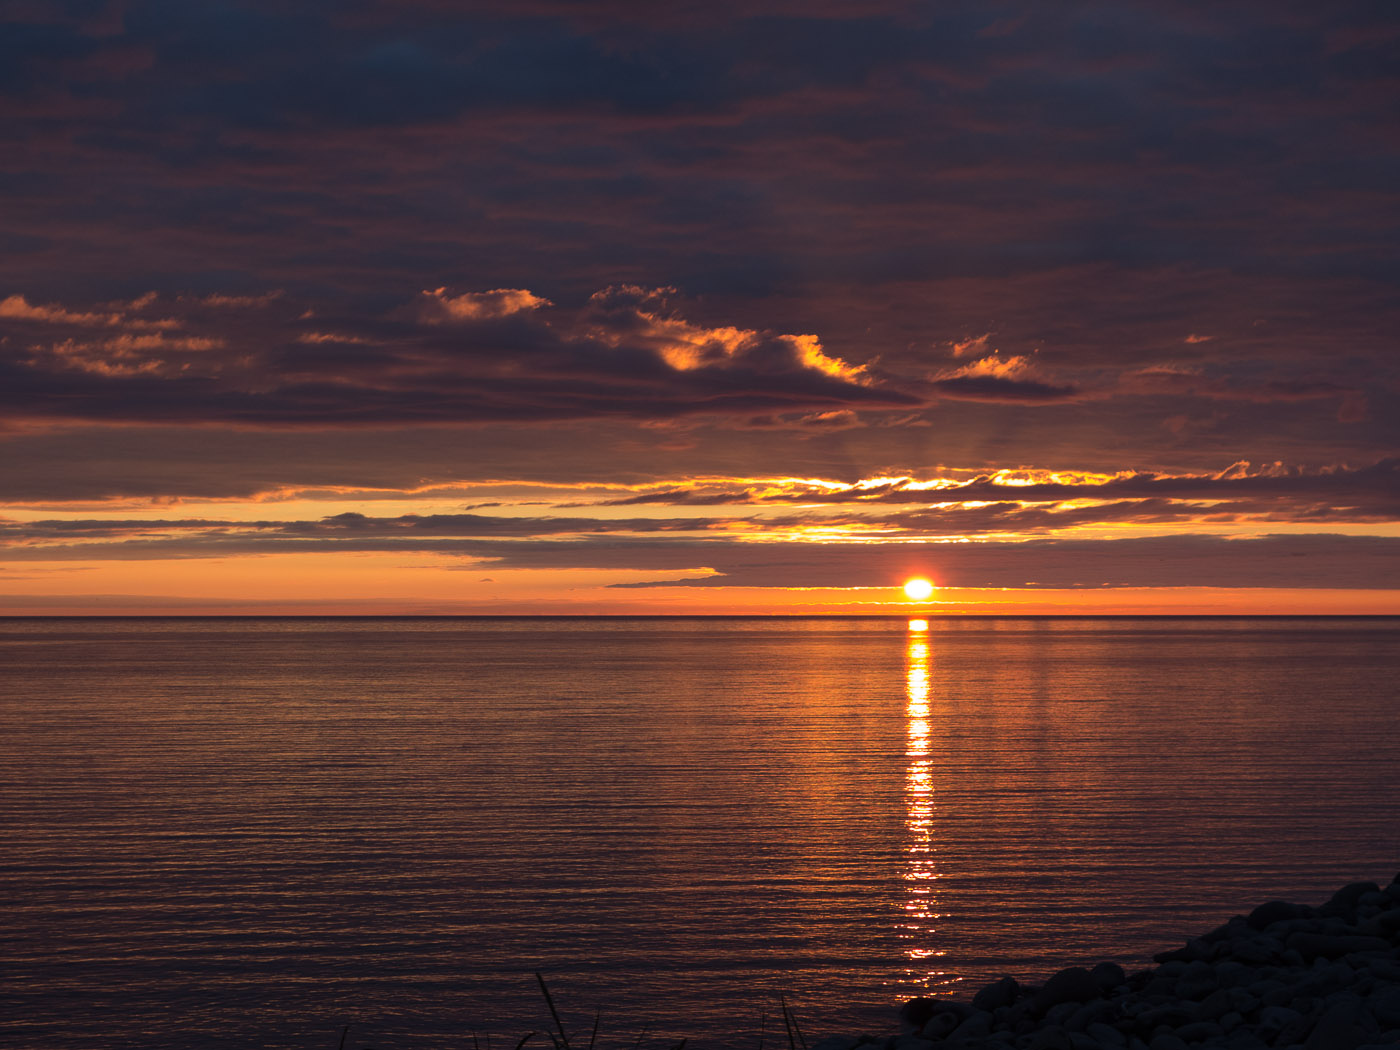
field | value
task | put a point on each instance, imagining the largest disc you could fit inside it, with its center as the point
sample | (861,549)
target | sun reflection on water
(920,907)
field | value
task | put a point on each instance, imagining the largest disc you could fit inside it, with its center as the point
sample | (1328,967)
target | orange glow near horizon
(324,583)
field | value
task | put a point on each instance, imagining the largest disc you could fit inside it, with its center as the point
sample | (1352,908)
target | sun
(918,589)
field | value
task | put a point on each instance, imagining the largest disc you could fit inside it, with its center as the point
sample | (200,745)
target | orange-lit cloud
(440,307)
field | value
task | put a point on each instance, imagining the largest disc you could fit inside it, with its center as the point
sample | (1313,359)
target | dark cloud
(502,354)
(1190,214)
(1001,388)
(349,524)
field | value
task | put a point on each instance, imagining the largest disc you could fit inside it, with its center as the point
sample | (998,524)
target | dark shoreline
(1284,977)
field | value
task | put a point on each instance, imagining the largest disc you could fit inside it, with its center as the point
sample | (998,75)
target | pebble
(1284,977)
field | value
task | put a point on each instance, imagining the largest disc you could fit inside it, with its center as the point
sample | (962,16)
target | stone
(1051,1038)
(1342,1027)
(1093,1010)
(915,1013)
(1230,973)
(1194,950)
(1346,898)
(1001,993)
(1273,911)
(1070,985)
(975,1026)
(1331,946)
(1108,975)
(1105,1035)
(1389,920)
(1272,993)
(1256,950)
(1324,980)
(1172,1014)
(1384,1005)
(940,1026)
(1383,969)
(1167,1041)
(1197,982)
(1274,1019)
(1200,1031)
(1242,1000)
(1060,1013)
(1216,1004)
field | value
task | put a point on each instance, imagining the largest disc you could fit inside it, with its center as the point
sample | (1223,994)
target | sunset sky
(623,307)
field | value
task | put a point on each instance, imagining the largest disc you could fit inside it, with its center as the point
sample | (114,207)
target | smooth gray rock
(1171,1014)
(1001,992)
(1346,898)
(1070,985)
(1276,995)
(1242,1000)
(1384,1005)
(1331,946)
(940,1026)
(1343,1027)
(1193,951)
(1052,1038)
(917,1012)
(1389,920)
(1256,950)
(1200,1031)
(1230,972)
(1108,975)
(1274,1019)
(975,1026)
(1094,1010)
(1216,1004)
(1273,911)
(1060,1013)
(1106,1035)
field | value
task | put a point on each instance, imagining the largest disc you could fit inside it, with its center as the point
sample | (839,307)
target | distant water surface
(246,833)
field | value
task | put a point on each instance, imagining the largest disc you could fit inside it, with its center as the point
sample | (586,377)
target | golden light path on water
(921,874)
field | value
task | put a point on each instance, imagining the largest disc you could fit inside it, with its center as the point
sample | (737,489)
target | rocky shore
(1285,975)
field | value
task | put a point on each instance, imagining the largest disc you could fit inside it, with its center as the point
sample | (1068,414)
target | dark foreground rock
(1286,975)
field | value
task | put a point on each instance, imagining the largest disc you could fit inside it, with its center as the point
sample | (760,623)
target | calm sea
(250,832)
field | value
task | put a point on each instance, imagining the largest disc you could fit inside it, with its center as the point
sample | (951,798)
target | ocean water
(251,832)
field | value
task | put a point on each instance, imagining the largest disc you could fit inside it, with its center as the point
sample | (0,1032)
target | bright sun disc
(918,590)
